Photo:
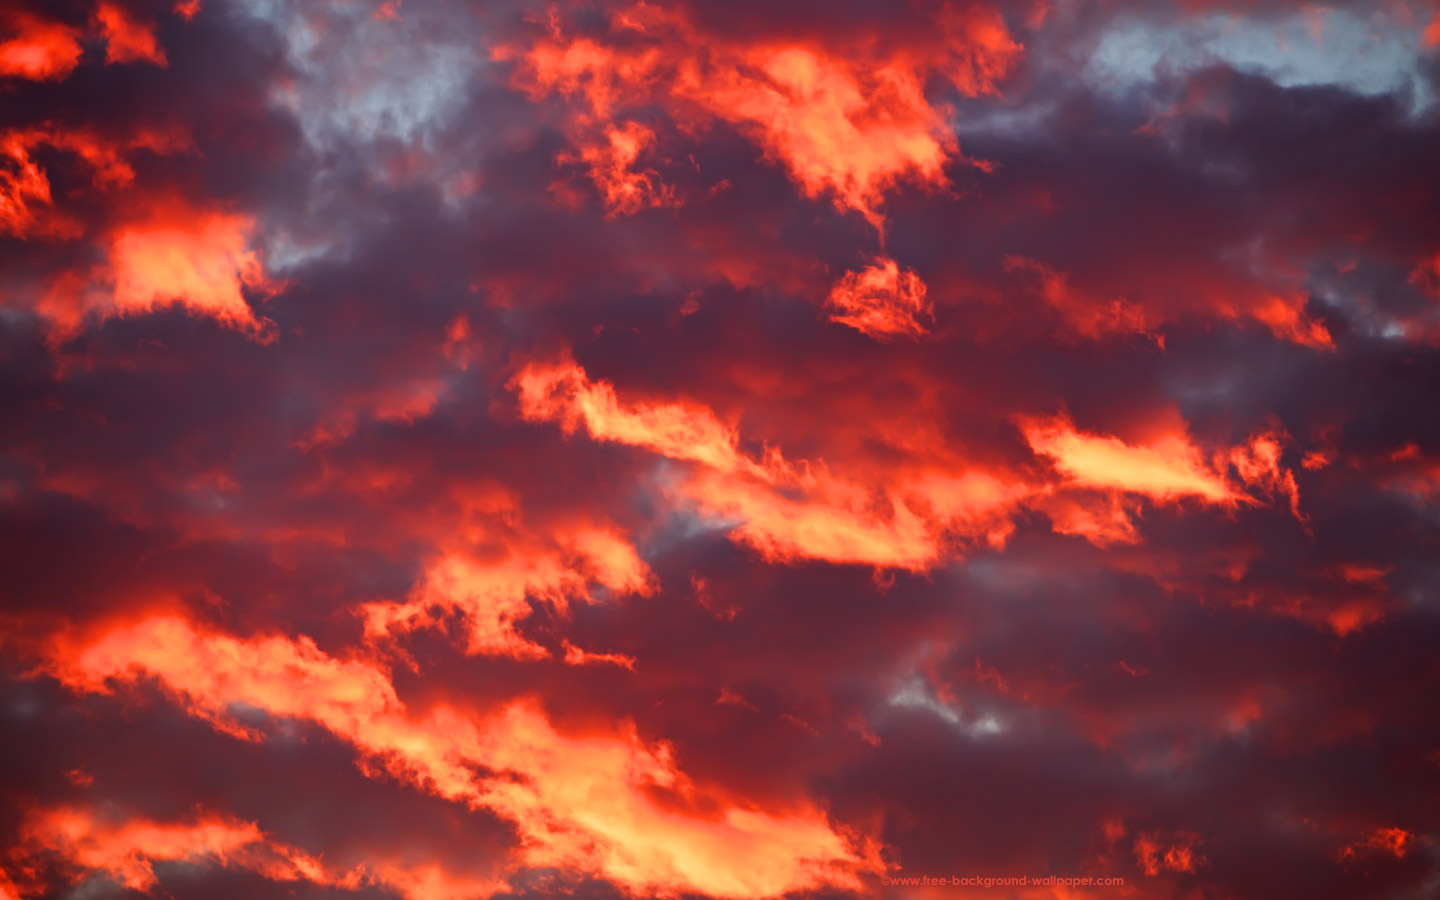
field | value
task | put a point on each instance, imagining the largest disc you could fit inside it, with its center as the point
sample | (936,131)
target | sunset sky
(736,449)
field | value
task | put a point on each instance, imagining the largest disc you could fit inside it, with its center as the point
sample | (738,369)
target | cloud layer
(729,450)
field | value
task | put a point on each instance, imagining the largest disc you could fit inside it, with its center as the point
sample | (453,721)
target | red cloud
(38,49)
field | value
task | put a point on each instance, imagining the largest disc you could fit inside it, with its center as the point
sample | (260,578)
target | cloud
(1166,469)
(848,127)
(880,301)
(127,40)
(38,49)
(737,449)
(127,851)
(585,802)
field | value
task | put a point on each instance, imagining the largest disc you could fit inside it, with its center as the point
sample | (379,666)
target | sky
(737,450)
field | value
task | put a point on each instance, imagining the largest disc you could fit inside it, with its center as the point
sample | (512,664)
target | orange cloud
(851,134)
(1103,519)
(786,511)
(1258,464)
(25,198)
(39,50)
(850,125)
(1091,314)
(972,501)
(832,521)
(880,301)
(176,254)
(127,40)
(563,391)
(1285,315)
(575,656)
(603,804)
(126,851)
(912,515)
(611,160)
(23,187)
(1165,470)
(492,595)
(201,261)
(911,523)
(586,804)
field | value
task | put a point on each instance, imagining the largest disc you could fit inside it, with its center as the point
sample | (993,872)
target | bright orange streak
(881,301)
(127,40)
(126,851)
(832,521)
(601,788)
(1166,469)
(563,391)
(39,50)
(808,513)
(574,656)
(587,804)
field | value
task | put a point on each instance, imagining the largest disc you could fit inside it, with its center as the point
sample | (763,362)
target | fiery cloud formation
(737,450)
(202,264)
(127,40)
(880,301)
(847,126)
(38,49)
(127,852)
(594,802)
(493,596)
(1167,469)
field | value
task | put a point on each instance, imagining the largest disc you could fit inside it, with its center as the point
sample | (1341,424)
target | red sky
(735,450)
